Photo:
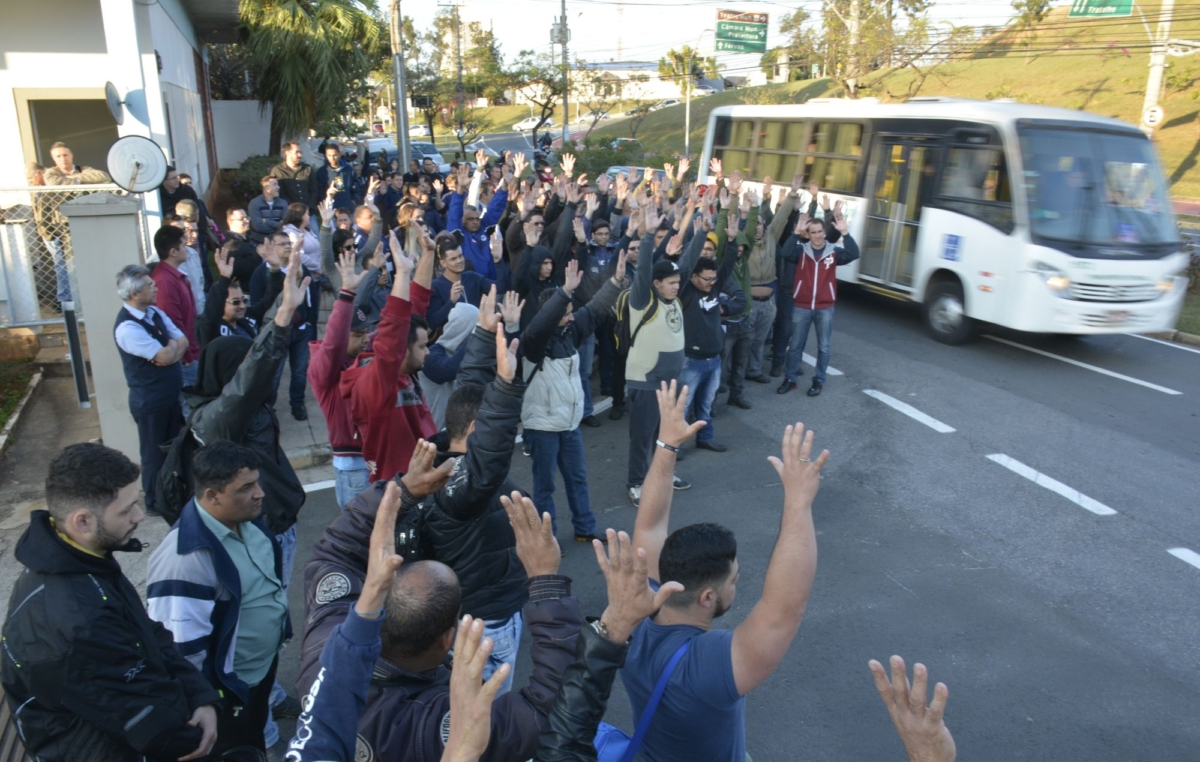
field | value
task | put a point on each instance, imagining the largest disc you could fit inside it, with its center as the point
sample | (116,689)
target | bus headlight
(1056,279)
(1165,285)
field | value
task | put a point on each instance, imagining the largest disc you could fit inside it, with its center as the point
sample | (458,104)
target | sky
(644,30)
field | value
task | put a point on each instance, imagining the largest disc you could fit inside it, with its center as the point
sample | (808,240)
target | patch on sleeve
(331,587)
(362,750)
(446,729)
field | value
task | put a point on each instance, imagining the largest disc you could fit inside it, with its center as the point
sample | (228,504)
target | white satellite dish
(113,99)
(137,164)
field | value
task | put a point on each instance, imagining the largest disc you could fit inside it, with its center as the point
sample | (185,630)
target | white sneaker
(635,495)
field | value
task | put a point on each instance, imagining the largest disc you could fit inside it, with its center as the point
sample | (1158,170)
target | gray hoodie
(441,366)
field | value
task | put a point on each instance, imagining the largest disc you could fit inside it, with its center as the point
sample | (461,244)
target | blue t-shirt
(701,715)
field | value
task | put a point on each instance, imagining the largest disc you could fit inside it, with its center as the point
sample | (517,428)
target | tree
(802,49)
(1030,13)
(308,56)
(635,87)
(599,90)
(539,78)
(229,75)
(677,65)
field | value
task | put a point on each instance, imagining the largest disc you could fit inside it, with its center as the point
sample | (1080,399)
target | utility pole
(401,105)
(1158,62)
(458,53)
(566,37)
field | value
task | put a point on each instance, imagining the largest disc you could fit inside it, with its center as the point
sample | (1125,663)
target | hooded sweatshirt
(441,366)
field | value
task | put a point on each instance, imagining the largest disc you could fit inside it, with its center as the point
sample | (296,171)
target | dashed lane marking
(1176,345)
(813,362)
(1187,556)
(910,411)
(1054,485)
(1084,365)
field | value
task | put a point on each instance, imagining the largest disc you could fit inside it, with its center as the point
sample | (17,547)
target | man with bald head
(407,715)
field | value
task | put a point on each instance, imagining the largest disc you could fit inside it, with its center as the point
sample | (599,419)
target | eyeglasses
(238,302)
(349,247)
(709,279)
(239,219)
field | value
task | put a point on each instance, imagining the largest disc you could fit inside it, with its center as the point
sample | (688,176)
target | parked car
(369,149)
(702,90)
(665,104)
(613,171)
(592,116)
(638,110)
(418,130)
(422,151)
(527,125)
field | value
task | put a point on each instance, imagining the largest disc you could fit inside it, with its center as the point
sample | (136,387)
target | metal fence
(37,261)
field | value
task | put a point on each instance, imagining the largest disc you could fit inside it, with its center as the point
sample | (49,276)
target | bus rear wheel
(946,313)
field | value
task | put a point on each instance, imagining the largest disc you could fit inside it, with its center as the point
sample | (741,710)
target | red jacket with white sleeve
(816,271)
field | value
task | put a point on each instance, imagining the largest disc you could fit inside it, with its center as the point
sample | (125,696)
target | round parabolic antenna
(137,164)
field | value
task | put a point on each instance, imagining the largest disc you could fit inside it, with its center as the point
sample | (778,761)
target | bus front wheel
(946,313)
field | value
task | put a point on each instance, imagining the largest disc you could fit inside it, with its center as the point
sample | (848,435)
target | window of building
(84,125)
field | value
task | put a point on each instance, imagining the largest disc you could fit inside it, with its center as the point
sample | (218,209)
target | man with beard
(85,669)
(703,711)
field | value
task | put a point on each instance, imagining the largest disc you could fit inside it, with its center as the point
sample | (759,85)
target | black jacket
(406,713)
(212,324)
(298,186)
(702,313)
(88,675)
(582,698)
(245,259)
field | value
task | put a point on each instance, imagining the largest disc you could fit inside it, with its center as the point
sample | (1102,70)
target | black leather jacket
(582,699)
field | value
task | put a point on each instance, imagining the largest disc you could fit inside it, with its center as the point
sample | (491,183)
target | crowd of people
(467,314)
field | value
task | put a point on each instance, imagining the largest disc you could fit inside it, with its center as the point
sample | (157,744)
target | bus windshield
(1094,188)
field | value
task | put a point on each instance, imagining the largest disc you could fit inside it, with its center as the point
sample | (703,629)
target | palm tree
(677,64)
(305,52)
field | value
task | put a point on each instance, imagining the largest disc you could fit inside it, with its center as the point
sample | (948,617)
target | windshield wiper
(1087,213)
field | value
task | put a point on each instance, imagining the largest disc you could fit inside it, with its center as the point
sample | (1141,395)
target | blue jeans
(62,275)
(587,351)
(802,319)
(189,378)
(348,482)
(506,639)
(564,449)
(297,358)
(702,377)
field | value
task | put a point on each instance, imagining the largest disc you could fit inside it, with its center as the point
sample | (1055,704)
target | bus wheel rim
(947,314)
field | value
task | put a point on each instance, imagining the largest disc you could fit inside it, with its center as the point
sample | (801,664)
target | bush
(247,183)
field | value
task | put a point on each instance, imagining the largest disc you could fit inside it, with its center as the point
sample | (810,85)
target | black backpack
(625,339)
(176,483)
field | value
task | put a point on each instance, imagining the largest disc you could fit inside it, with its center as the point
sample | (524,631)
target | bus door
(901,178)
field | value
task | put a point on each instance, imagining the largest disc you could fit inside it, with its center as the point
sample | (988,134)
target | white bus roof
(965,109)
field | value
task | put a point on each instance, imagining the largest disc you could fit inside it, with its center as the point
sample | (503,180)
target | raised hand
(675,244)
(583,178)
(480,158)
(619,271)
(839,222)
(580,233)
(825,201)
(506,354)
(797,469)
(603,183)
(652,217)
(348,269)
(797,182)
(813,190)
(519,163)
(684,165)
(724,197)
(536,546)
(404,264)
(767,186)
(488,317)
(801,228)
(593,203)
(470,697)
(735,181)
(422,478)
(372,185)
(922,729)
(382,561)
(224,263)
(630,599)
(295,290)
(622,187)
(668,170)
(496,242)
(673,428)
(510,311)
(568,164)
(572,278)
(750,199)
(456,291)
(714,168)
(731,224)
(573,194)
(437,186)
(326,210)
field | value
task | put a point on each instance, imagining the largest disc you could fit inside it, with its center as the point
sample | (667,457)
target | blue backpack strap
(643,725)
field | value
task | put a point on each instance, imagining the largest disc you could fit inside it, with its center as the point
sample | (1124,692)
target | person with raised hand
(702,713)
(922,729)
(327,729)
(471,697)
(555,403)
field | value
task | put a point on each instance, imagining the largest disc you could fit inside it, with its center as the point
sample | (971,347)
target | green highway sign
(741,32)
(1101,8)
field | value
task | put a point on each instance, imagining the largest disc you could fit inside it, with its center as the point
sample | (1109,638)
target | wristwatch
(601,630)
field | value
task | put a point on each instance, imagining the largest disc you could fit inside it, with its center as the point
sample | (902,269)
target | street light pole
(566,115)
(1158,60)
(401,114)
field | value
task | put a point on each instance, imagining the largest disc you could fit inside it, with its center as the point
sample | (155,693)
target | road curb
(6,436)
(1179,337)
(312,455)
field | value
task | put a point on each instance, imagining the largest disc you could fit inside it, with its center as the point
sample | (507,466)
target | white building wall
(242,129)
(175,42)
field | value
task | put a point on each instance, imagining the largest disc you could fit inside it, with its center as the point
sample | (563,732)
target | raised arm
(654,510)
(763,638)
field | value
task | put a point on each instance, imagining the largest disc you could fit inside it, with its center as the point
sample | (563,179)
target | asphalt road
(1052,608)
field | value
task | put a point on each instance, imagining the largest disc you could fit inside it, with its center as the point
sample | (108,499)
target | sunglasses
(238,302)
(349,247)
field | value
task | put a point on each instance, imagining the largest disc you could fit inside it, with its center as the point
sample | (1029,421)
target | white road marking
(1084,365)
(1054,485)
(910,411)
(318,486)
(813,362)
(1187,556)
(602,405)
(1174,344)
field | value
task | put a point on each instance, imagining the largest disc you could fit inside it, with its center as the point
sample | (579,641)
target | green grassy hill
(1095,65)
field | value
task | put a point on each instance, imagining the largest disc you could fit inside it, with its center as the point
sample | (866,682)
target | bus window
(733,159)
(732,143)
(976,183)
(841,139)
(782,136)
(832,174)
(780,167)
(833,154)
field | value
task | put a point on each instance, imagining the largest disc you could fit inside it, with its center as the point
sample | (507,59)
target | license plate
(1116,317)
